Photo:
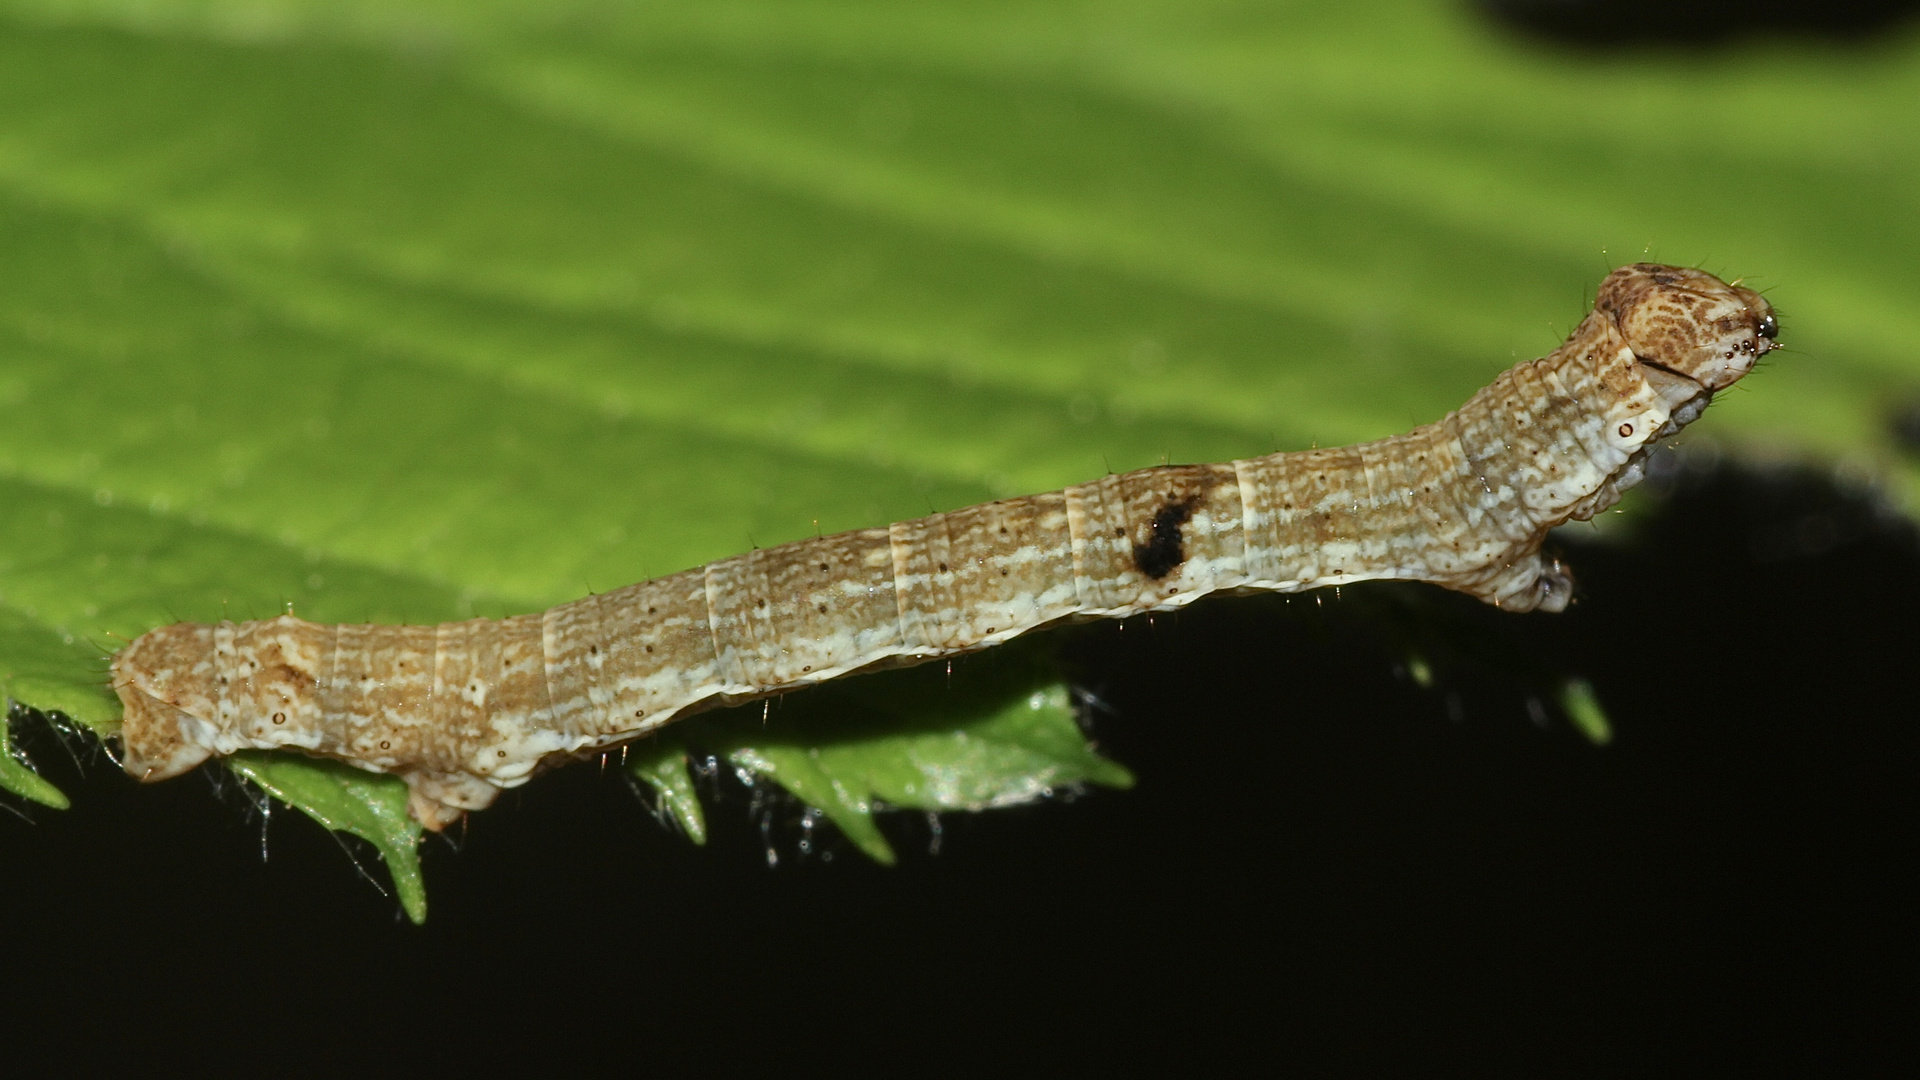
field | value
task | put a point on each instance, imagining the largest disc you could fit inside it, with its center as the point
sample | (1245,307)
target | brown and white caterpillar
(464,710)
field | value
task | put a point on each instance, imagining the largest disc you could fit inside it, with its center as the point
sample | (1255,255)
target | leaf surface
(983,732)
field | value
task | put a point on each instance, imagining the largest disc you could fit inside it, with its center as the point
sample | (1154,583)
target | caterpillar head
(1688,322)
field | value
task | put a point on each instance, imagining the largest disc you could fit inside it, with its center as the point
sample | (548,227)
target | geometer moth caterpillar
(464,710)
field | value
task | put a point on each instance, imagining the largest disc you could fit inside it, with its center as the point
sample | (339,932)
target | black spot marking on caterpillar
(1165,548)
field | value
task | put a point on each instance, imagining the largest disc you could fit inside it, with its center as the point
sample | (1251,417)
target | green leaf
(16,772)
(1583,708)
(419,310)
(993,731)
(346,799)
(661,761)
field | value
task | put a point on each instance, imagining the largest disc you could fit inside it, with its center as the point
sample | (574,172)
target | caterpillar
(464,710)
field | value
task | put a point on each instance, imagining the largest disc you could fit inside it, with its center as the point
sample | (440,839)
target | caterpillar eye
(1769,328)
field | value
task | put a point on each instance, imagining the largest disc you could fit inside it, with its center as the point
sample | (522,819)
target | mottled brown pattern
(464,710)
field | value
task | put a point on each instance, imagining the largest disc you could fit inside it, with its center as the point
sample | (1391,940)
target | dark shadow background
(1322,863)
(1605,25)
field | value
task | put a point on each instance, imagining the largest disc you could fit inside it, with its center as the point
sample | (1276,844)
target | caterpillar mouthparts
(465,710)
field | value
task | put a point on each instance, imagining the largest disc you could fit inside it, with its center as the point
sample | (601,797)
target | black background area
(1322,863)
(1602,25)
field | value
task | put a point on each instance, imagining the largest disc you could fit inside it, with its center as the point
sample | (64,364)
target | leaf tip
(17,774)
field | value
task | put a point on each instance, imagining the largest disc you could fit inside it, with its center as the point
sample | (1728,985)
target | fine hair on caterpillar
(464,710)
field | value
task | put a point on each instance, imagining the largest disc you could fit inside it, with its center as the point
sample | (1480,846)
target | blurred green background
(411,311)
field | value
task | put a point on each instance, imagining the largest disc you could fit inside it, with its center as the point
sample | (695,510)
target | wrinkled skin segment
(465,710)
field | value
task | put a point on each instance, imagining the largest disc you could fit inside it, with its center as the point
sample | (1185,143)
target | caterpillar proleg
(465,710)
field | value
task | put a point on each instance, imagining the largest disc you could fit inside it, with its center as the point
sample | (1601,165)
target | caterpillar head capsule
(1688,322)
